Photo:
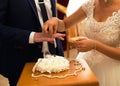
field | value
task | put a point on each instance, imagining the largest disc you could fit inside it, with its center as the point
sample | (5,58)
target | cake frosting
(51,64)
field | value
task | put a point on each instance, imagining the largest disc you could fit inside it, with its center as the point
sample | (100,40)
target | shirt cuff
(31,38)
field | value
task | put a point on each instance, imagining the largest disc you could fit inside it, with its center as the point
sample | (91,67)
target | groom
(20,23)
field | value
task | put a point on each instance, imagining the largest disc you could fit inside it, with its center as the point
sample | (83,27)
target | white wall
(73,5)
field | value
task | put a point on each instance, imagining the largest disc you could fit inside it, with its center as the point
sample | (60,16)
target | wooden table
(84,78)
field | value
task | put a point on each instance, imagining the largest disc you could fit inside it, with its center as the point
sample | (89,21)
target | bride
(102,42)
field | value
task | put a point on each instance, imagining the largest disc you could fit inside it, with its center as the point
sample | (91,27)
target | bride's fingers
(51,30)
(45,28)
(81,49)
(81,38)
(55,29)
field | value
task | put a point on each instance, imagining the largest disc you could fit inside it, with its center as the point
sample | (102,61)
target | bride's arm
(54,24)
(108,50)
(76,17)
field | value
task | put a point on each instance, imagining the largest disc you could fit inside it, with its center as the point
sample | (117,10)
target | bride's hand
(50,26)
(53,25)
(84,44)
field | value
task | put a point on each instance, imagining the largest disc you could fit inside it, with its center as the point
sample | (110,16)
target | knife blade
(55,45)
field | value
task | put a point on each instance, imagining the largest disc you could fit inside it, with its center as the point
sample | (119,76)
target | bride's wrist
(61,26)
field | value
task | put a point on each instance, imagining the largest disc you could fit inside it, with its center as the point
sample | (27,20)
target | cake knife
(55,45)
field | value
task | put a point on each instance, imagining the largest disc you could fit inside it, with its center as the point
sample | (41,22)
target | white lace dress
(106,69)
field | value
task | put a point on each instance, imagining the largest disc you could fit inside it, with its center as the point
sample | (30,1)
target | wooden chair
(71,33)
(61,8)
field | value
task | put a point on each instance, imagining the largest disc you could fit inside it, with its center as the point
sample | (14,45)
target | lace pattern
(107,32)
(88,6)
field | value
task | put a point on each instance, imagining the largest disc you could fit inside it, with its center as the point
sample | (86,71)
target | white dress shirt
(49,12)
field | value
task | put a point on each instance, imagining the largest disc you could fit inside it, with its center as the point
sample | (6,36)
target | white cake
(51,64)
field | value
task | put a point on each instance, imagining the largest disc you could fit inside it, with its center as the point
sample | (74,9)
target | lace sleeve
(88,7)
(119,40)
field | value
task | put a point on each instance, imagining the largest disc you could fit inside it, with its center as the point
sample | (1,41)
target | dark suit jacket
(17,19)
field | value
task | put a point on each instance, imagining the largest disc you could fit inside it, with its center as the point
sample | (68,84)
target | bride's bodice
(107,32)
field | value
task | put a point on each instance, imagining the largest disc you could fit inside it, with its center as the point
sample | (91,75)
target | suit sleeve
(14,35)
(9,34)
